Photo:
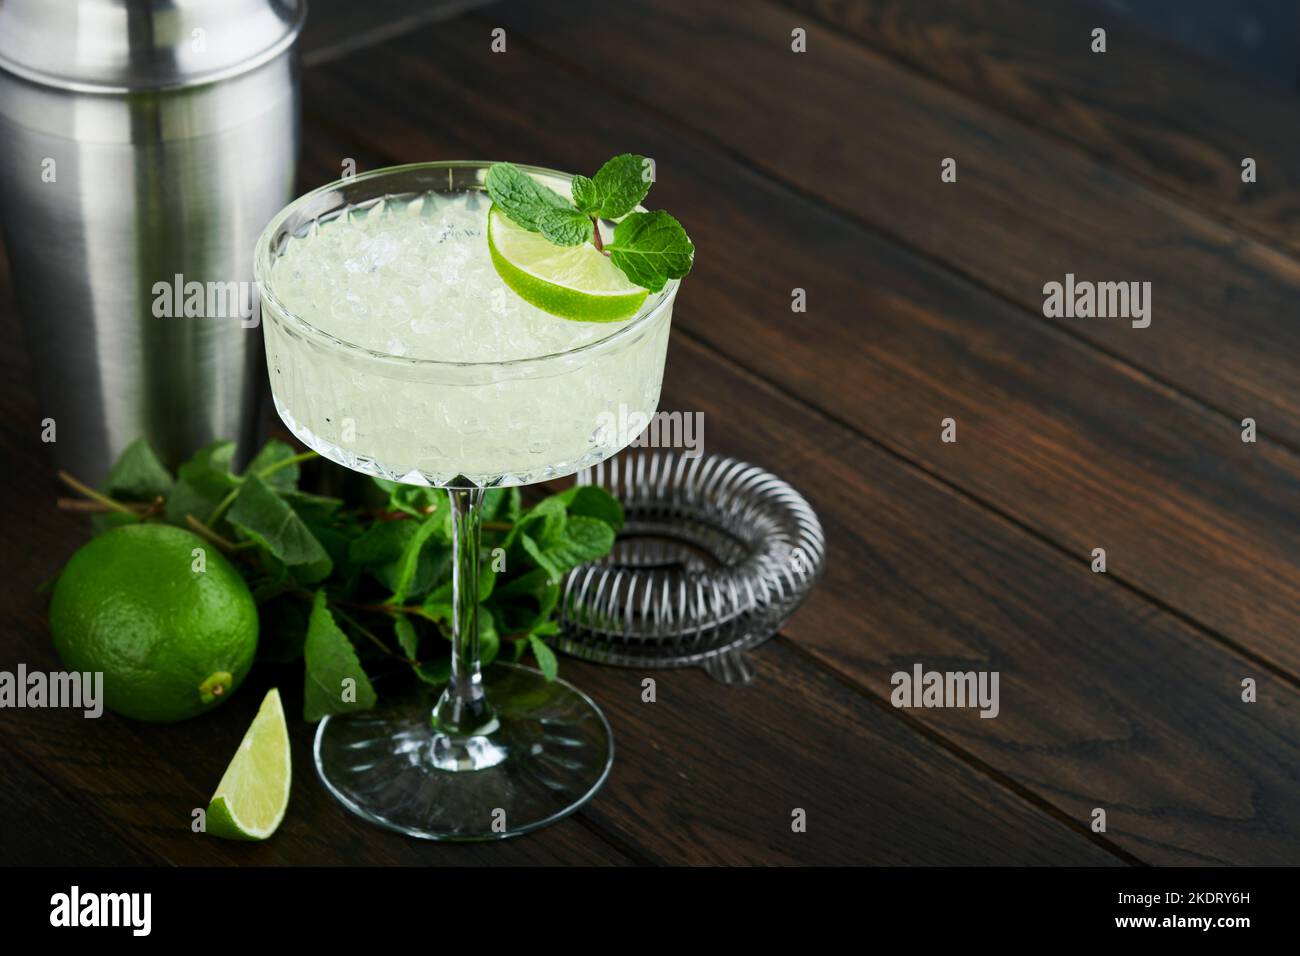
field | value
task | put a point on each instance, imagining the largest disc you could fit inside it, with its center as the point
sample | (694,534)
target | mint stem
(595,236)
(225,544)
(93,495)
(224,504)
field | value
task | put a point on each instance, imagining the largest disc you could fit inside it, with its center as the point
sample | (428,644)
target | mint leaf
(436,673)
(437,607)
(487,579)
(138,475)
(416,500)
(586,195)
(266,518)
(581,539)
(651,248)
(406,565)
(335,540)
(489,643)
(522,198)
(531,610)
(312,507)
(530,583)
(546,603)
(380,544)
(184,500)
(488,639)
(617,188)
(440,597)
(379,550)
(208,472)
(202,482)
(331,662)
(407,639)
(565,227)
(593,501)
(545,657)
(584,539)
(284,478)
(545,520)
(501,504)
(536,552)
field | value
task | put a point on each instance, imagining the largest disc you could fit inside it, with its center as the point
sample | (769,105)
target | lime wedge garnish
(254,791)
(573,282)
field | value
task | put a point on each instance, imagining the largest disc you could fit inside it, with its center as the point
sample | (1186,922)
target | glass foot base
(552,749)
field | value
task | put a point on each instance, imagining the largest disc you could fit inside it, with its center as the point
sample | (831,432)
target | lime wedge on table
(573,282)
(254,791)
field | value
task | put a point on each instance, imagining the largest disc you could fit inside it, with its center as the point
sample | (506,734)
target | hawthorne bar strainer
(714,557)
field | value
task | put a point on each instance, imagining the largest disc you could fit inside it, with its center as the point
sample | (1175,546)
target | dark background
(1257,36)
(1261,37)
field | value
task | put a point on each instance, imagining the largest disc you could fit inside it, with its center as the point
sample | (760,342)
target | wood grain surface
(1180,122)
(820,171)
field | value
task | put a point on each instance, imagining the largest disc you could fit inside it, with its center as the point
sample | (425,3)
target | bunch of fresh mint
(353,584)
(649,247)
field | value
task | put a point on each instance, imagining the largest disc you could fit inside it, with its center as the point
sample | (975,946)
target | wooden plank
(337,28)
(47,826)
(868,136)
(143,783)
(1178,120)
(1106,700)
(1067,442)
(711,775)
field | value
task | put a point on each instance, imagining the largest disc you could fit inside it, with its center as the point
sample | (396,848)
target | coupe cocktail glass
(395,350)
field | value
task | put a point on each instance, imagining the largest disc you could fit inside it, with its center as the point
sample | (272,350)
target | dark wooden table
(821,171)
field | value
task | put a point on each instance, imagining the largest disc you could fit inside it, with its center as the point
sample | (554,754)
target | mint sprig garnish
(648,247)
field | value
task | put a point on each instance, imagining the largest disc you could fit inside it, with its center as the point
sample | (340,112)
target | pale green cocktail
(395,349)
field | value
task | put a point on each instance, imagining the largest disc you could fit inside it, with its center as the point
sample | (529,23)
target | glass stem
(463,710)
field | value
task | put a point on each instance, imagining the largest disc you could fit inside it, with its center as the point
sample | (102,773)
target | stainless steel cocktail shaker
(143,146)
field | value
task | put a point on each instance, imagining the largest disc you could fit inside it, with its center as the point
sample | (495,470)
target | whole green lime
(163,614)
